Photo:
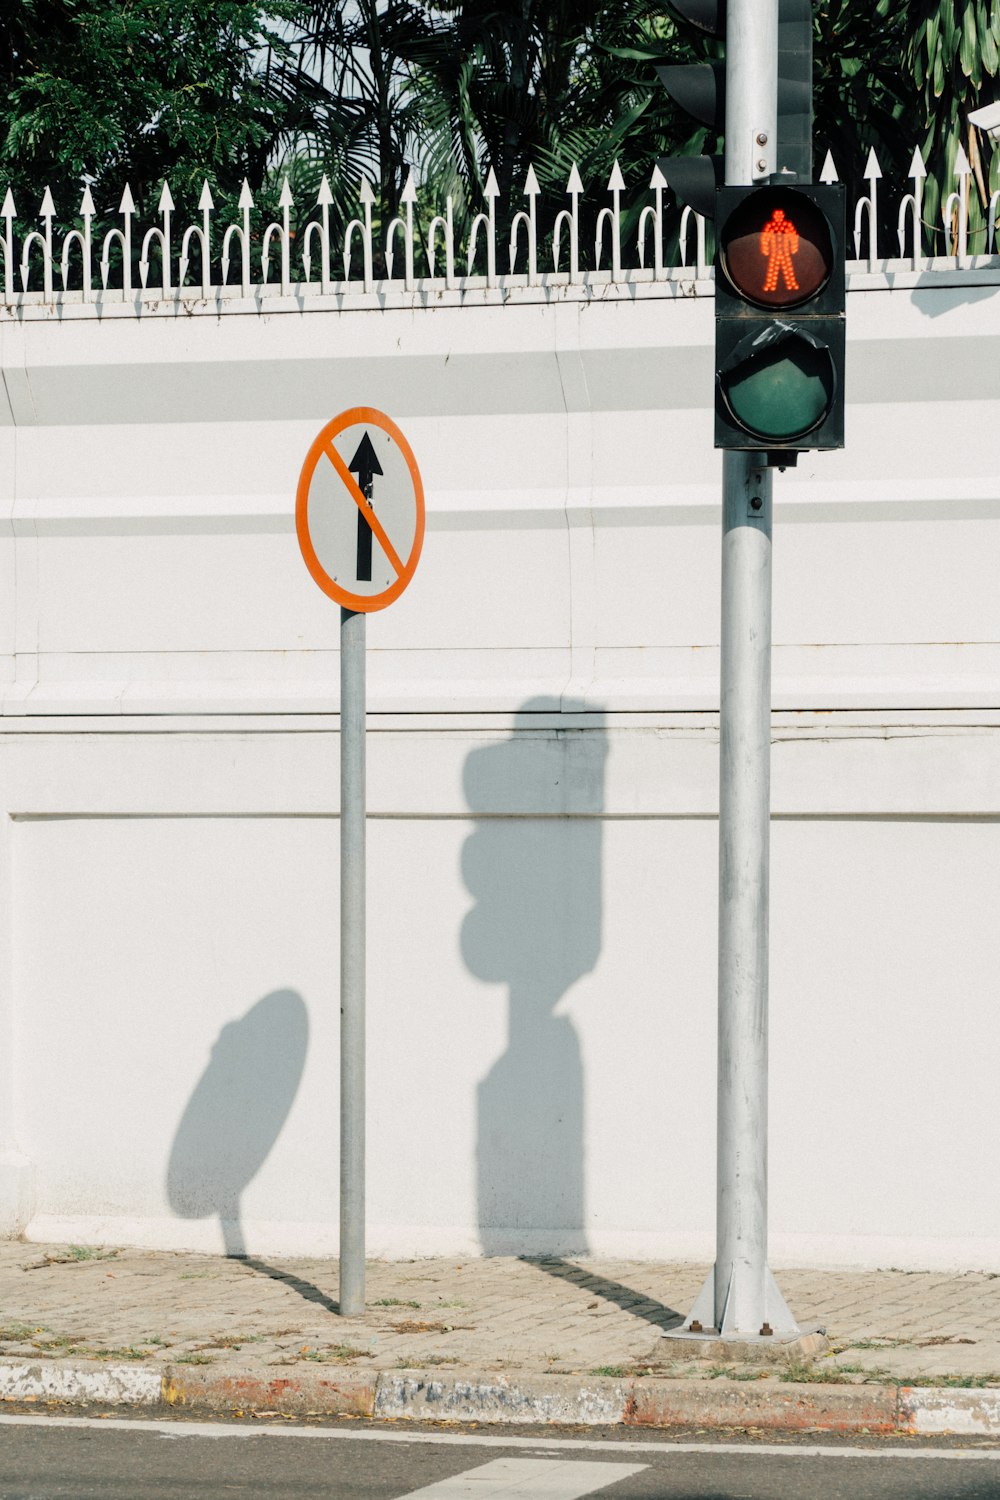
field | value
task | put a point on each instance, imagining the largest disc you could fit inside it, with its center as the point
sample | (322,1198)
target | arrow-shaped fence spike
(655,217)
(955,213)
(204,236)
(367,200)
(46,213)
(84,240)
(529,219)
(324,200)
(165,208)
(407,198)
(286,203)
(829,172)
(284,231)
(244,203)
(124,236)
(868,208)
(488,223)
(611,216)
(912,205)
(917,168)
(571,218)
(9,214)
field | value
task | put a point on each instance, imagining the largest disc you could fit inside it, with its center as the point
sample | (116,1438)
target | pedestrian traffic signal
(779,318)
(700,90)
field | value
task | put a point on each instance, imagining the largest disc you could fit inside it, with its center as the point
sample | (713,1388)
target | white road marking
(166,1427)
(527,1479)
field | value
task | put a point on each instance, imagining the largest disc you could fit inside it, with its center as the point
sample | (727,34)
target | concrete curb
(489,1398)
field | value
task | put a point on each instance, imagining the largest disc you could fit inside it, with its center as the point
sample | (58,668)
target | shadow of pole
(624,1297)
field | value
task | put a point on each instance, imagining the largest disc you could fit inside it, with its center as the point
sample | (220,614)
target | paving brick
(589,1313)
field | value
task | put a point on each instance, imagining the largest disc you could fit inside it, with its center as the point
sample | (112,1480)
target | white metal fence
(300,255)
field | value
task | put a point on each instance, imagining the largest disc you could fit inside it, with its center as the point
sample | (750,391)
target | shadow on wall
(237,1112)
(533,867)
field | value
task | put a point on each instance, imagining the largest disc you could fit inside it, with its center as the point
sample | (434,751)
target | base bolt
(695,1327)
(766,1331)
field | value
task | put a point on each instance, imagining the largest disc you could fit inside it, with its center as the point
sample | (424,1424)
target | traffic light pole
(740,1299)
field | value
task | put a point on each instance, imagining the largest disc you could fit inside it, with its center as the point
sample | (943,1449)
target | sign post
(360,538)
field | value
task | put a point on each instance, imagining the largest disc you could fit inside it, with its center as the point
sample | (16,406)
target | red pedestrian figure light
(779,241)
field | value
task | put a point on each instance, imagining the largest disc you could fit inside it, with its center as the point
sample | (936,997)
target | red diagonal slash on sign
(371,519)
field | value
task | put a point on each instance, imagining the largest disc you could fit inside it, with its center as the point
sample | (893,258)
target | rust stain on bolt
(766,1331)
(694,1326)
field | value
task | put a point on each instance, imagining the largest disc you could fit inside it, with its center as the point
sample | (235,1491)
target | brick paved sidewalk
(554,1316)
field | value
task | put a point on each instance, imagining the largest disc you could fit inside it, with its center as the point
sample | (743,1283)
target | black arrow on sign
(365,465)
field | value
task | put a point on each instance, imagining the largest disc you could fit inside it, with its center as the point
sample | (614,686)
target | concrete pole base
(749,1349)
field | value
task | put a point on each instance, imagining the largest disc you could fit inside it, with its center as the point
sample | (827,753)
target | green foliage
(550,83)
(861,99)
(952,53)
(136,90)
(349,74)
(116,91)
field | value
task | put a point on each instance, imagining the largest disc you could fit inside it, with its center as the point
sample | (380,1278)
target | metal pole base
(778,1328)
(741,1297)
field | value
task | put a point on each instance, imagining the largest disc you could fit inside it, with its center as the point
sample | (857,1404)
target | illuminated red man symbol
(779,241)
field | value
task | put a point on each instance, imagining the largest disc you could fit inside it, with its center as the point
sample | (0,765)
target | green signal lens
(783,392)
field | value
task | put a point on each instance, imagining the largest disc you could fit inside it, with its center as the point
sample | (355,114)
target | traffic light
(779,318)
(700,90)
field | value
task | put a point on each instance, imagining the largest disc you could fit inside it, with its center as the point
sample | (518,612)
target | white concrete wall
(542,783)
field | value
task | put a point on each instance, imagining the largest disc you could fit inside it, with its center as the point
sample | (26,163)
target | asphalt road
(92,1459)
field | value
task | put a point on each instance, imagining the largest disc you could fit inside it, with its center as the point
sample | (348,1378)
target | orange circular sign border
(363,603)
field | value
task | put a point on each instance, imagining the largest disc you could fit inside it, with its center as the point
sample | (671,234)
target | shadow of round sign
(359,510)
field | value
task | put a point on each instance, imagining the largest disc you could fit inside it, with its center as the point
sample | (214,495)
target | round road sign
(359,510)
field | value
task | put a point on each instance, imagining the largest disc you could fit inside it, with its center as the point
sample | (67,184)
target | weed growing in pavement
(393,1302)
(332,1354)
(194,1359)
(439,1359)
(71,1255)
(615,1371)
(231,1341)
(732,1372)
(18,1333)
(455,1302)
(875,1344)
(952,1382)
(833,1374)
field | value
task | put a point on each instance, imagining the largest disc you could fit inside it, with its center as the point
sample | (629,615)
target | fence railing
(299,255)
